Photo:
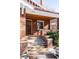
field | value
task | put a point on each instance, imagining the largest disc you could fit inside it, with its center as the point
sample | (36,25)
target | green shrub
(55,37)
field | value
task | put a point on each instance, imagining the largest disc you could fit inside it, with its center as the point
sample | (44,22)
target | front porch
(33,26)
(36,24)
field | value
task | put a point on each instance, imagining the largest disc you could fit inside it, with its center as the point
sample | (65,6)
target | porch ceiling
(38,17)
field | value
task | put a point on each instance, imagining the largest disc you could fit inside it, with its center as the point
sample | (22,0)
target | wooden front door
(28,27)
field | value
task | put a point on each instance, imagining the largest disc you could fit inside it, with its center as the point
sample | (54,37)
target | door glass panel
(40,25)
(28,27)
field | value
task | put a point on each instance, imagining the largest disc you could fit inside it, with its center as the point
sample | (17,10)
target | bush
(55,37)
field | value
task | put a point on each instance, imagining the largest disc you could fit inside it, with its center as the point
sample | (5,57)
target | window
(40,24)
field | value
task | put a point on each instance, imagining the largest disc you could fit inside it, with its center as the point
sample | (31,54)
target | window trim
(37,25)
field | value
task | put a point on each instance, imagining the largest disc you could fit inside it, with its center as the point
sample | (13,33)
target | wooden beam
(38,17)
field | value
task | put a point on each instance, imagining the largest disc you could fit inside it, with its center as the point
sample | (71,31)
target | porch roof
(42,13)
(38,17)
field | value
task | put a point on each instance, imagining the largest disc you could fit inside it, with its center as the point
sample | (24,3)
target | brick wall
(22,27)
(34,27)
(46,24)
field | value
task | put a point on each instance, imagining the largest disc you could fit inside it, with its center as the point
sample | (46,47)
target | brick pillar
(22,27)
(49,43)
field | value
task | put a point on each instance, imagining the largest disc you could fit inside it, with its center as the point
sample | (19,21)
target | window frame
(37,24)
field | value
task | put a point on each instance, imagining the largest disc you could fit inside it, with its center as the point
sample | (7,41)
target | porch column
(49,42)
(22,27)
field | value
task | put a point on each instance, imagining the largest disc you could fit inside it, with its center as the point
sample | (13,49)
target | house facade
(36,20)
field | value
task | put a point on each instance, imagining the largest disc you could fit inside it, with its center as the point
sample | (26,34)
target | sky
(51,4)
